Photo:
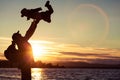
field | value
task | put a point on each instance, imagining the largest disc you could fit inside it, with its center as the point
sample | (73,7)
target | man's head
(16,37)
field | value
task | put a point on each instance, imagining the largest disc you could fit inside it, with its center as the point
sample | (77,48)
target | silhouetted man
(23,55)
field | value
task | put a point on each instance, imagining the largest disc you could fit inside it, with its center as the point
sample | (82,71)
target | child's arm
(36,10)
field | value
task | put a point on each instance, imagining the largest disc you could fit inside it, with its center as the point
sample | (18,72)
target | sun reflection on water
(36,73)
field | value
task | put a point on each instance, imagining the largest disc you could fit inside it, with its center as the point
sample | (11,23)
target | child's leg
(50,9)
(47,3)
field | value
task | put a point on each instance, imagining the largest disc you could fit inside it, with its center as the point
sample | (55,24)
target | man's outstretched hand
(36,21)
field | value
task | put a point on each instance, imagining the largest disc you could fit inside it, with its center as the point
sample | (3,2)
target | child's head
(24,12)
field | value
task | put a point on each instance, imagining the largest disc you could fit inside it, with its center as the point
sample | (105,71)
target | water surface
(62,74)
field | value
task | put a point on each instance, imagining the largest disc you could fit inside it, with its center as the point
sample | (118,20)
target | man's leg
(26,73)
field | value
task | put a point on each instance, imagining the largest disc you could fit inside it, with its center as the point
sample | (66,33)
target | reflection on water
(62,74)
(75,74)
(36,74)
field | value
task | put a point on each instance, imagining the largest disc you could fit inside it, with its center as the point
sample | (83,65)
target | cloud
(88,60)
(72,52)
(105,58)
(106,61)
(108,49)
(83,54)
(41,42)
(5,38)
(104,55)
(76,48)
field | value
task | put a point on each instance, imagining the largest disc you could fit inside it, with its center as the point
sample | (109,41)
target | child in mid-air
(35,14)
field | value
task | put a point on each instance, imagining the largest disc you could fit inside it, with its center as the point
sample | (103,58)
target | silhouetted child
(30,13)
(35,14)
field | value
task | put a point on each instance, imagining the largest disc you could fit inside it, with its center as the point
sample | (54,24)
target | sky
(80,30)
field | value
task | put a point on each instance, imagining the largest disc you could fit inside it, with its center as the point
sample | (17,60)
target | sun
(38,51)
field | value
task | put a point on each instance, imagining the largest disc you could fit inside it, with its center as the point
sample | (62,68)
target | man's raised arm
(31,29)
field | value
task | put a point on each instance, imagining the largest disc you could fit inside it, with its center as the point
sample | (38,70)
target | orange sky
(81,30)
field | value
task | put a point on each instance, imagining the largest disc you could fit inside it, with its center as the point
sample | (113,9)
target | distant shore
(39,64)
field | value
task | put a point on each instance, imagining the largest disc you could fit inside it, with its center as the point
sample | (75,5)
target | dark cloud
(79,59)
(106,61)
(83,54)
(102,55)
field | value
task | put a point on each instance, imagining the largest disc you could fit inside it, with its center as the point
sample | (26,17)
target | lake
(62,74)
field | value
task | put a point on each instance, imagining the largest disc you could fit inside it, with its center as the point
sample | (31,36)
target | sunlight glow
(38,51)
(37,73)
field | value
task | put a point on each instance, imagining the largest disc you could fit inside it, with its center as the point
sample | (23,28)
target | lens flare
(77,33)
